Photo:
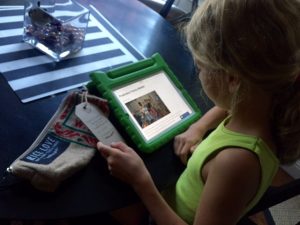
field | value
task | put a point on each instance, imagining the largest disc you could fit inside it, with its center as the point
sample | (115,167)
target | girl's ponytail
(286,123)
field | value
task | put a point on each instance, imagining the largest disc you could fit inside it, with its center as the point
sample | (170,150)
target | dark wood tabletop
(92,190)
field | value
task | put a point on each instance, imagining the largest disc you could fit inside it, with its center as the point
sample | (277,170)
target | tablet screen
(154,104)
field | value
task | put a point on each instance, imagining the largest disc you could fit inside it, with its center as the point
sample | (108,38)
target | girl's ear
(233,83)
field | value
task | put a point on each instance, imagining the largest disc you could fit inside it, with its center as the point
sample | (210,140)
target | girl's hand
(124,163)
(186,143)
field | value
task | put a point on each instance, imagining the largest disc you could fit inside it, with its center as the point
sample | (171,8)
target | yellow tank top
(184,199)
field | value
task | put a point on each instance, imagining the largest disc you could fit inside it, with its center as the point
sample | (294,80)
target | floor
(285,213)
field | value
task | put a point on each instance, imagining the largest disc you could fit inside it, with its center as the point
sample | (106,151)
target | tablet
(148,101)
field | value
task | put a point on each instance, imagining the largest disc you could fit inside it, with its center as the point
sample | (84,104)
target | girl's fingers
(104,149)
(184,153)
(106,152)
(193,148)
(178,145)
(109,168)
(121,146)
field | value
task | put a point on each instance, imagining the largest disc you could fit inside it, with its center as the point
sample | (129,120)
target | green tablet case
(107,82)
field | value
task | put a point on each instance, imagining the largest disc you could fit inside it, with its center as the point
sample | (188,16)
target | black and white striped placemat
(33,75)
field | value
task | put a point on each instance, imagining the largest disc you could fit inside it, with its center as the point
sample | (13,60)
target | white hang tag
(98,123)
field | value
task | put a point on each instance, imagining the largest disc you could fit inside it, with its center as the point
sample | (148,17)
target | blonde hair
(258,40)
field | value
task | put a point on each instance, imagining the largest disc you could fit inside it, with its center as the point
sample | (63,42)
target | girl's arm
(231,181)
(125,164)
(185,143)
(156,205)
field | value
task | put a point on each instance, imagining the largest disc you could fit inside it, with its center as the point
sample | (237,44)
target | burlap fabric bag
(64,146)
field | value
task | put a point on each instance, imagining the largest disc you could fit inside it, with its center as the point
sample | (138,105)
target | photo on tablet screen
(147,109)
(154,104)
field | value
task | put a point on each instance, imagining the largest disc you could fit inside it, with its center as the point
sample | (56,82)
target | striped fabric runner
(33,75)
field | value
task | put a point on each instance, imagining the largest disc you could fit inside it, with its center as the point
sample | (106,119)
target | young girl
(248,54)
